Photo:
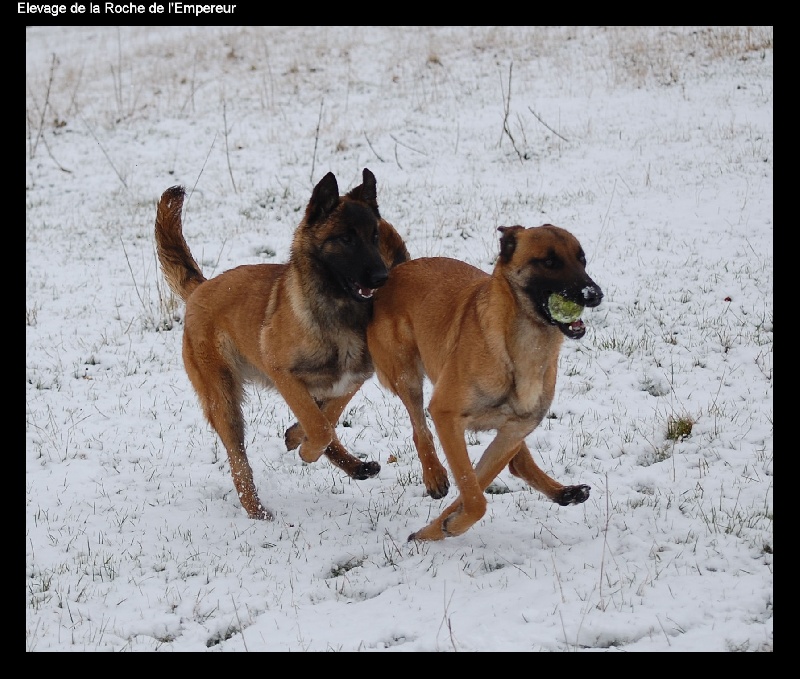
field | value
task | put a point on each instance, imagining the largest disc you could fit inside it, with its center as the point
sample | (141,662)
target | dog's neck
(323,310)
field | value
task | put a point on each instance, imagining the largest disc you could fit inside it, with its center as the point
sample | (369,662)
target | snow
(653,145)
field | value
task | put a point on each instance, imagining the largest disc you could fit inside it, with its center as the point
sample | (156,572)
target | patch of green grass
(679,428)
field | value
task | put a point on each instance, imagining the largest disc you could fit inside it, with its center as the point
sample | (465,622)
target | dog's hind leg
(434,475)
(523,466)
(219,389)
(408,387)
(399,368)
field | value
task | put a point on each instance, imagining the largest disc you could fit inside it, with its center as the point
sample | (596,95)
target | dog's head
(546,266)
(348,239)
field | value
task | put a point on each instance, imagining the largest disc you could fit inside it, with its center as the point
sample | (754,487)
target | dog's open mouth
(361,291)
(565,313)
(574,330)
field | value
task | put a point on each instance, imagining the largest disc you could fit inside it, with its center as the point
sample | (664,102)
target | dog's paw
(261,513)
(437,485)
(426,535)
(308,454)
(573,495)
(366,470)
(293,436)
(435,530)
(439,489)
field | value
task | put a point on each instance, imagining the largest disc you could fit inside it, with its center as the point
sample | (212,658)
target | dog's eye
(346,239)
(375,237)
(581,257)
(550,261)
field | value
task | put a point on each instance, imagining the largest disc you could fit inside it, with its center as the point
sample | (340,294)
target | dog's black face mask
(350,251)
(341,235)
(586,294)
(553,263)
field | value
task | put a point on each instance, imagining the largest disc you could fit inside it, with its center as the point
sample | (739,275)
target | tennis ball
(562,310)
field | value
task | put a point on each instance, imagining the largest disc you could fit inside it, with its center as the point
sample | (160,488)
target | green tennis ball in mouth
(562,310)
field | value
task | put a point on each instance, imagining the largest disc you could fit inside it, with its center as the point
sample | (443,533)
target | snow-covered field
(653,145)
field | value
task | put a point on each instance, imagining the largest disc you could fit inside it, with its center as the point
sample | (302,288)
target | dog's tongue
(577,326)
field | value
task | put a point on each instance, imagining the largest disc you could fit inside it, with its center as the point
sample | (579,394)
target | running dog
(298,327)
(489,343)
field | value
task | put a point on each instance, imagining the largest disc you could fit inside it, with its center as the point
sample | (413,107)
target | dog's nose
(378,278)
(592,295)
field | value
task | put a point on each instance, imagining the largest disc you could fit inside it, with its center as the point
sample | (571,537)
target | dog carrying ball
(562,310)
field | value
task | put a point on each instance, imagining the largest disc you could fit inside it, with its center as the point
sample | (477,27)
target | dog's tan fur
(490,348)
(299,327)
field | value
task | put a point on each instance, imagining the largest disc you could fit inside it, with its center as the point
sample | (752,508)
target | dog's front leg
(336,452)
(318,430)
(350,464)
(435,529)
(470,505)
(504,446)
(523,466)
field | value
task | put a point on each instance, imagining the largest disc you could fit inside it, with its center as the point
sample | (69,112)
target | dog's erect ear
(324,199)
(392,247)
(508,241)
(367,191)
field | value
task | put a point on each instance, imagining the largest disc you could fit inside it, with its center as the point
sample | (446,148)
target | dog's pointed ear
(324,199)
(508,241)
(367,191)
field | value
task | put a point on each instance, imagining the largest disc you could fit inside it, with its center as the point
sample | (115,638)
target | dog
(298,327)
(489,344)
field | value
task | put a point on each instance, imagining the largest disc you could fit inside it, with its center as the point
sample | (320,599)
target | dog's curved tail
(179,267)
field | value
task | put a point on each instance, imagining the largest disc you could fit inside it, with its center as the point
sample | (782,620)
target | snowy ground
(654,146)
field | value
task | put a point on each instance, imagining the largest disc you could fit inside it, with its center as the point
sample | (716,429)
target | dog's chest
(487,413)
(335,367)
(520,395)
